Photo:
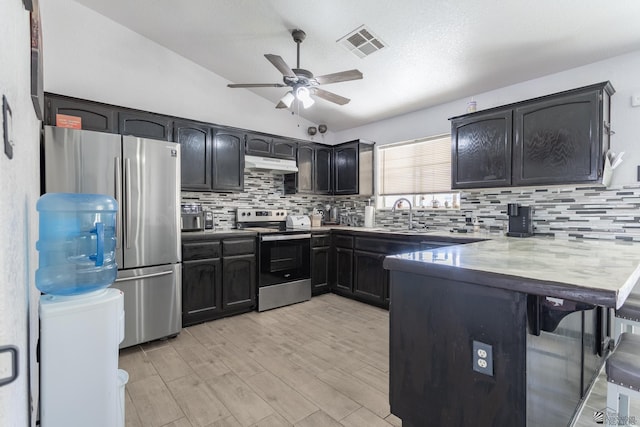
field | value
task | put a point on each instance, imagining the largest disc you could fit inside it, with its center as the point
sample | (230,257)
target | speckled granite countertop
(595,272)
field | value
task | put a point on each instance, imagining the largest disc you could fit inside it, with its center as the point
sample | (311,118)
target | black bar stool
(623,380)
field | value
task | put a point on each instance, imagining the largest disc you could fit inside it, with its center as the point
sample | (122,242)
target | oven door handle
(269,238)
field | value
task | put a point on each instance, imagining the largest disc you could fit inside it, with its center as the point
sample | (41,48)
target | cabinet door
(369,276)
(94,116)
(145,125)
(323,165)
(284,149)
(319,270)
(558,140)
(228,161)
(196,146)
(258,145)
(345,169)
(201,290)
(238,282)
(305,169)
(481,150)
(344,270)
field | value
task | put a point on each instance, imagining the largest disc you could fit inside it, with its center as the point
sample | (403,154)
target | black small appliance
(520,220)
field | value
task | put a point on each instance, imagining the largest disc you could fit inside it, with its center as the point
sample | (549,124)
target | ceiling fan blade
(279,63)
(342,76)
(330,96)
(281,105)
(257,85)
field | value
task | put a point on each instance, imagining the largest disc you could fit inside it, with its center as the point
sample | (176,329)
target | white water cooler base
(79,338)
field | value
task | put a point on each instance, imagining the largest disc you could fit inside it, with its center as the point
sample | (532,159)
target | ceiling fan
(302,82)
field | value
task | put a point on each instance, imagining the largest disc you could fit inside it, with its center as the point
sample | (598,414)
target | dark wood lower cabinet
(344,271)
(201,290)
(239,282)
(370,278)
(217,282)
(319,270)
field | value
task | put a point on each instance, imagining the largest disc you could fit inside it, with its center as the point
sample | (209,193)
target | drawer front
(388,247)
(238,247)
(318,240)
(200,250)
(343,241)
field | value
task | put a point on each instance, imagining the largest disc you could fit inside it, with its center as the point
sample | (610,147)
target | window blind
(416,167)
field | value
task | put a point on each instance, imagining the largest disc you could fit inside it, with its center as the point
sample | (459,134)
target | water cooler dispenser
(81,319)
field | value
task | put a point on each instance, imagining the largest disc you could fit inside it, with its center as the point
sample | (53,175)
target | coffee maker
(192,217)
(520,220)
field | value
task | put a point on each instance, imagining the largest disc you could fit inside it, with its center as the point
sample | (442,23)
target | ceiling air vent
(362,42)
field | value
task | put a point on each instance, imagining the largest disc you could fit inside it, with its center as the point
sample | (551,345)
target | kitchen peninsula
(502,332)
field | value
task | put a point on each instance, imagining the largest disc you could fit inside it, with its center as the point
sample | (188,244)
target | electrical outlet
(635,100)
(483,358)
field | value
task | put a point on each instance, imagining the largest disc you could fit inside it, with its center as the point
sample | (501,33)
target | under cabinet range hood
(275,166)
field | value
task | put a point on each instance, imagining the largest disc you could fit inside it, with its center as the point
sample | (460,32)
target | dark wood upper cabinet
(94,116)
(559,140)
(555,139)
(145,125)
(322,175)
(345,168)
(306,169)
(258,145)
(481,150)
(284,149)
(228,160)
(196,154)
(264,145)
(341,169)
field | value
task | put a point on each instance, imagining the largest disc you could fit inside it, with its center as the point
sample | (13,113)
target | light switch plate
(483,358)
(635,100)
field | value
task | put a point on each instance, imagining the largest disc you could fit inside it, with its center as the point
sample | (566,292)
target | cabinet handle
(144,276)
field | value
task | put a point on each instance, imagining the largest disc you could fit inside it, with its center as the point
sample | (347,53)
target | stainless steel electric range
(283,257)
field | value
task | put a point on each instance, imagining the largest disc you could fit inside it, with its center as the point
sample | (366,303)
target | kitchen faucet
(393,209)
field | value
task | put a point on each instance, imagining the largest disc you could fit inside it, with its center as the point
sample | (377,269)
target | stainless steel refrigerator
(143,175)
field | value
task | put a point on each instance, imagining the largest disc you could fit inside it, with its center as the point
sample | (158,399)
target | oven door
(284,258)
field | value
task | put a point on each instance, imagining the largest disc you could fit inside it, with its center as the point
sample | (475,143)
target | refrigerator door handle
(144,276)
(118,197)
(127,180)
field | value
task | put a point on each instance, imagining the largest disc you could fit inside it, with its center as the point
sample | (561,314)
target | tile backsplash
(573,212)
(588,212)
(261,190)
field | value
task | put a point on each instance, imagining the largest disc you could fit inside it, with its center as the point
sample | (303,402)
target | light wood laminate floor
(321,363)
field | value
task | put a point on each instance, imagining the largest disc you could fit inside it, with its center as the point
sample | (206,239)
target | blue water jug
(77,243)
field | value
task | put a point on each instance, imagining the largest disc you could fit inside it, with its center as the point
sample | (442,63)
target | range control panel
(260,215)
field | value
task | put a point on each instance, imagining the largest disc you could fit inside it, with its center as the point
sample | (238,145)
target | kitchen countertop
(215,234)
(422,233)
(595,272)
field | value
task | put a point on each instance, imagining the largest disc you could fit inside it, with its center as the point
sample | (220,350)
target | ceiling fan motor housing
(298,35)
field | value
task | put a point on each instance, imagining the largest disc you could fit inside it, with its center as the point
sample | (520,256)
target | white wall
(19,191)
(92,57)
(622,71)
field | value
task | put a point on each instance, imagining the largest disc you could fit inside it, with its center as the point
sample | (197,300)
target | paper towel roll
(368,216)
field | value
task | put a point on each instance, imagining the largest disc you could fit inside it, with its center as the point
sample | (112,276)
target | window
(418,170)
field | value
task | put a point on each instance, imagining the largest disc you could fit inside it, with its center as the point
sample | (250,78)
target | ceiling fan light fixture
(287,99)
(303,95)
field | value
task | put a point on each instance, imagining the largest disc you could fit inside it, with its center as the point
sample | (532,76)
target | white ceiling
(438,50)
